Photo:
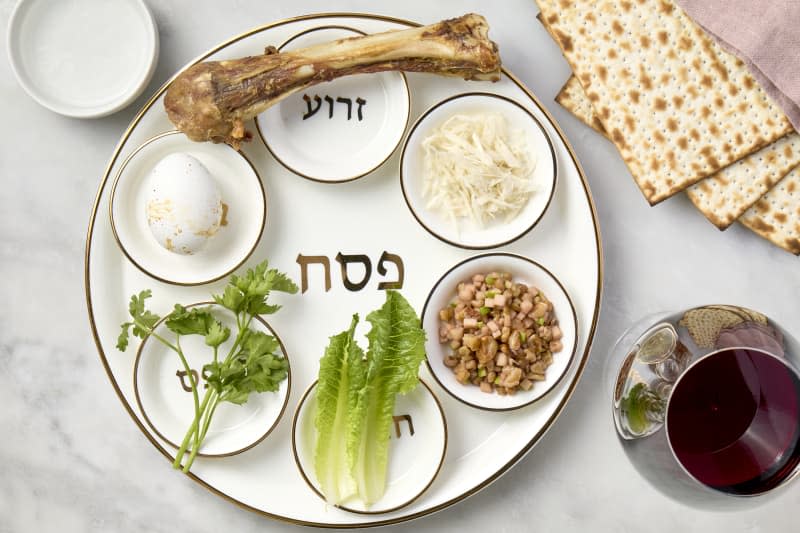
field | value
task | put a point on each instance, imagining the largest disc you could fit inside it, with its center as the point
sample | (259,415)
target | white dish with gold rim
(522,270)
(464,231)
(163,392)
(243,219)
(418,424)
(340,130)
(348,243)
(83,58)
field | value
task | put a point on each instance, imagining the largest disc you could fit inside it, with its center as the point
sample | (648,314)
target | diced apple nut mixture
(502,335)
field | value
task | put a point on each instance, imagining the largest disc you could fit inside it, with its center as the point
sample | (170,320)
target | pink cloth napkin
(765,34)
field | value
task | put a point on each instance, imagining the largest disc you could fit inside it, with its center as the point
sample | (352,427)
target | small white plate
(159,381)
(83,58)
(522,270)
(468,234)
(419,424)
(241,190)
(340,130)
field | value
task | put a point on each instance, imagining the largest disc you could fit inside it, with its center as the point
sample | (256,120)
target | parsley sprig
(253,363)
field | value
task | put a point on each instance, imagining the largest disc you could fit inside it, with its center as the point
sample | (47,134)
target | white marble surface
(72,460)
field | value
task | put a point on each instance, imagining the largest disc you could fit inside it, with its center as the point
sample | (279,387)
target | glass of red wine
(706,403)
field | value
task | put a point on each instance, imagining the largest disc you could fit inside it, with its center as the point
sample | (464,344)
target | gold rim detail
(349,178)
(356,511)
(466,494)
(524,232)
(122,246)
(574,321)
(226,454)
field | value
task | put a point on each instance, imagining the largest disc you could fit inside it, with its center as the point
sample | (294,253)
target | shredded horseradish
(474,167)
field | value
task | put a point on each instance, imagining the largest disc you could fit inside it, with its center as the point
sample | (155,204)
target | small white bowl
(419,424)
(522,270)
(241,190)
(316,134)
(83,58)
(168,408)
(468,234)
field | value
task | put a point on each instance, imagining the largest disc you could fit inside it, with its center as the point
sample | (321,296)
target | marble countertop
(70,458)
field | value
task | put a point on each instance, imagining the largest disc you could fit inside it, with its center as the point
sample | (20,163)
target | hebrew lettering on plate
(361,102)
(349,103)
(304,261)
(400,418)
(311,111)
(182,374)
(345,260)
(398,263)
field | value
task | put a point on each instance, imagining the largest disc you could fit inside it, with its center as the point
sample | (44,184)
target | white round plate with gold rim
(522,270)
(243,218)
(83,58)
(340,130)
(464,231)
(418,424)
(163,392)
(359,235)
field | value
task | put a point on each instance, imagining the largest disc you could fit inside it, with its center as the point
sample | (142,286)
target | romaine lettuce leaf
(341,377)
(356,397)
(396,349)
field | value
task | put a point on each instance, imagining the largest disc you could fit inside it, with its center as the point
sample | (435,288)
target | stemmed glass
(706,404)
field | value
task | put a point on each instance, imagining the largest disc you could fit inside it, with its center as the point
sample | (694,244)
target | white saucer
(522,270)
(83,58)
(169,409)
(338,142)
(241,190)
(421,425)
(468,234)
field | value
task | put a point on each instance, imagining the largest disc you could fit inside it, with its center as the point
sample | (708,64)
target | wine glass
(706,404)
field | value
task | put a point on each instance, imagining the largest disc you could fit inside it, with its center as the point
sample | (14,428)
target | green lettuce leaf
(342,374)
(396,349)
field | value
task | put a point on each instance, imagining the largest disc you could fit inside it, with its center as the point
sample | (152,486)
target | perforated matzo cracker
(724,196)
(776,216)
(678,107)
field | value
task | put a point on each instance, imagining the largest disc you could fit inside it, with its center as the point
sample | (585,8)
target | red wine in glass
(733,421)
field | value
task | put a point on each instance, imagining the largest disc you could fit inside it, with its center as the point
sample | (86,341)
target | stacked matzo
(725,196)
(678,107)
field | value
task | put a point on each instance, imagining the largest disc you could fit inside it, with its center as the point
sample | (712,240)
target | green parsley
(253,363)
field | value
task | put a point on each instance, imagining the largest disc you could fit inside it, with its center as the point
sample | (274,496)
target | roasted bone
(210,101)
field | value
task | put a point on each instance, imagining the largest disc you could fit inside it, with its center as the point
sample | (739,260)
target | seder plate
(367,218)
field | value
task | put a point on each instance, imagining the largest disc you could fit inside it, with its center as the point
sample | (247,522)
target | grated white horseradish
(474,167)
